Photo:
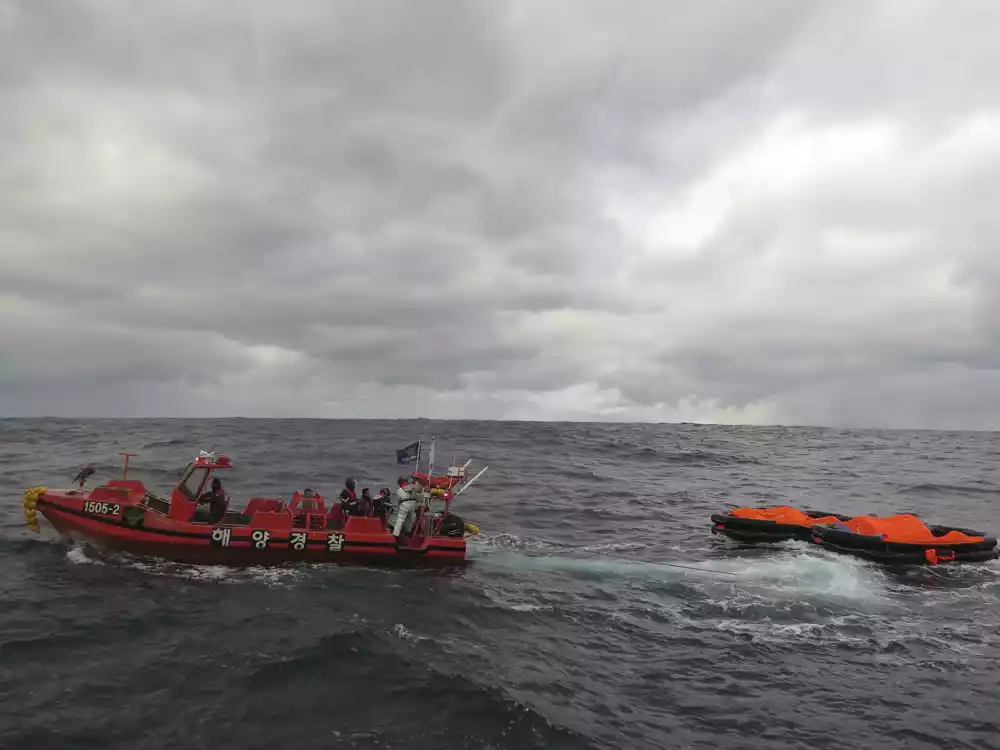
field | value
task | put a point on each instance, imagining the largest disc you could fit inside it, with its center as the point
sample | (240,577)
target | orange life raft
(905,539)
(774,524)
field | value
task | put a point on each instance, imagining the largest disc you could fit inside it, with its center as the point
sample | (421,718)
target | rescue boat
(905,539)
(769,525)
(123,514)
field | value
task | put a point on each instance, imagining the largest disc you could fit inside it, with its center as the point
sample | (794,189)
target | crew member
(383,506)
(349,498)
(409,496)
(216,500)
(366,504)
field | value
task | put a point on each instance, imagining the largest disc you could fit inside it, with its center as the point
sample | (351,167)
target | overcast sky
(748,212)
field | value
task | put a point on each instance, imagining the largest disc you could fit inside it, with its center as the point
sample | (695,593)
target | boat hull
(361,541)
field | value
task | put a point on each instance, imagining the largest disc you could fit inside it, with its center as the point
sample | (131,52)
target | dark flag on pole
(409,454)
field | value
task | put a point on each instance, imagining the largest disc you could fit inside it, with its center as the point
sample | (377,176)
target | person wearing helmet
(349,498)
(215,498)
(409,496)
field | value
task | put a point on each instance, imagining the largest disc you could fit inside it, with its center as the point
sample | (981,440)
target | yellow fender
(30,504)
(471,529)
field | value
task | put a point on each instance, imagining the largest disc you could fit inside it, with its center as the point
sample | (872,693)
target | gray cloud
(740,212)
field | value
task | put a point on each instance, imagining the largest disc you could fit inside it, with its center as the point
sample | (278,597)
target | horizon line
(512,421)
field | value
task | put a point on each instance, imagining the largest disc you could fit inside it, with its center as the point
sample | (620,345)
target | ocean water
(598,611)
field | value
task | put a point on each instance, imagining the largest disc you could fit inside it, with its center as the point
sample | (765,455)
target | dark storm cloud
(774,211)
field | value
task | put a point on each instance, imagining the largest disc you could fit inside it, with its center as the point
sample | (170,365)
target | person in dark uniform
(367,504)
(349,498)
(383,506)
(215,498)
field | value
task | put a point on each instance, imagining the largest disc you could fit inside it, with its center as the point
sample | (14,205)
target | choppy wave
(597,609)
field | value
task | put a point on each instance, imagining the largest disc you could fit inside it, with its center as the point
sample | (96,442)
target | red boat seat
(315,520)
(279,519)
(264,504)
(301,502)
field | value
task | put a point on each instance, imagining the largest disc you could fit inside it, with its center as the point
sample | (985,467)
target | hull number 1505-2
(102,509)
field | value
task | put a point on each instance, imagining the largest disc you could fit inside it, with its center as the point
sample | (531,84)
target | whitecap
(404,633)
(78,556)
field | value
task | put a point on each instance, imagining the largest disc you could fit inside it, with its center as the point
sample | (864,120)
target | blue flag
(409,454)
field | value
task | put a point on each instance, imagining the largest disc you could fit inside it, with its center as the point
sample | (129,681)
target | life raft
(905,539)
(769,525)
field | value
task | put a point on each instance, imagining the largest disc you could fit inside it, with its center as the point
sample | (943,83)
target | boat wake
(807,571)
(82,553)
(802,594)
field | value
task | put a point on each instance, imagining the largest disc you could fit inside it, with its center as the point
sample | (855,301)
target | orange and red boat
(123,514)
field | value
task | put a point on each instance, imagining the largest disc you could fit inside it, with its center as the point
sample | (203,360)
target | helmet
(402,480)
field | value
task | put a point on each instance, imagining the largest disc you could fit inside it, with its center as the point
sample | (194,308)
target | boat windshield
(193,482)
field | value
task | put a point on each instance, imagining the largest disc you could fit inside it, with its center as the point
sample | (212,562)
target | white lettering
(260,539)
(222,535)
(334,542)
(103,509)
(298,540)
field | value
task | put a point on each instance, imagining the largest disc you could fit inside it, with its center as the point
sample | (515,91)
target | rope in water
(700,570)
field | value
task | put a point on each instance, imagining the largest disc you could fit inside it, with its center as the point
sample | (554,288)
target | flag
(409,454)
(430,458)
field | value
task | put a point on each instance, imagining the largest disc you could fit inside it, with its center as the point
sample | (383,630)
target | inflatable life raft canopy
(769,525)
(908,529)
(905,539)
(783,514)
